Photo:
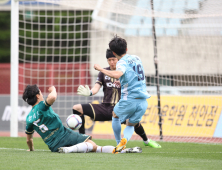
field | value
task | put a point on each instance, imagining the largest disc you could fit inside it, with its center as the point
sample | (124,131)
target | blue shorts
(132,109)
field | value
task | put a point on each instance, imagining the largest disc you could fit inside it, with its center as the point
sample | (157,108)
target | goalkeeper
(112,92)
(48,125)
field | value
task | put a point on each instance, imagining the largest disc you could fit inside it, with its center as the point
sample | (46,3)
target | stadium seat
(171,32)
(156,4)
(160,31)
(192,5)
(178,11)
(135,22)
(166,6)
(179,5)
(147,29)
(174,24)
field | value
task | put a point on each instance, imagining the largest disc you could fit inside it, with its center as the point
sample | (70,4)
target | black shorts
(98,112)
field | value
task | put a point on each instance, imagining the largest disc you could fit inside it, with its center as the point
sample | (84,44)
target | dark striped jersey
(111,92)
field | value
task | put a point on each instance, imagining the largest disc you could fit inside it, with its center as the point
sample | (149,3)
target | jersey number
(139,71)
(42,127)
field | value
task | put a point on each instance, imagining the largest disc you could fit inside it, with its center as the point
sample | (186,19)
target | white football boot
(63,150)
(133,150)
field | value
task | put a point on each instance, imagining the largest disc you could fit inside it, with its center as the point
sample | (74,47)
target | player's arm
(85,91)
(95,89)
(52,95)
(115,74)
(30,142)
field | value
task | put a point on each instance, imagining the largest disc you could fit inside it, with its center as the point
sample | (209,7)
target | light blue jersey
(133,83)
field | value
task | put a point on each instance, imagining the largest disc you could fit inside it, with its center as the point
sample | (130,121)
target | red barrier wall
(66,77)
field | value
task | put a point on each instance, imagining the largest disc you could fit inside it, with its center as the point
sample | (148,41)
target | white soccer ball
(74,121)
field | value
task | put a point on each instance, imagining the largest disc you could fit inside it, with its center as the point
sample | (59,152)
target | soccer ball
(74,121)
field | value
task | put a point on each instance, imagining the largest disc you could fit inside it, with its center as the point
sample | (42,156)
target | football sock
(76,112)
(81,148)
(128,132)
(105,149)
(82,128)
(116,125)
(147,141)
(140,131)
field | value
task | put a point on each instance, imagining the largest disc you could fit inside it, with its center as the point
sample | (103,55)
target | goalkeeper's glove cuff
(91,93)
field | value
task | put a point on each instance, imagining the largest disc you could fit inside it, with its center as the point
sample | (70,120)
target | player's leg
(76,142)
(116,125)
(81,110)
(97,112)
(139,130)
(70,138)
(141,108)
(128,132)
(124,109)
(147,142)
(83,147)
(90,146)
(135,118)
(109,149)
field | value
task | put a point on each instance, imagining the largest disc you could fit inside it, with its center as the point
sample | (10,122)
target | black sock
(82,128)
(140,131)
(76,112)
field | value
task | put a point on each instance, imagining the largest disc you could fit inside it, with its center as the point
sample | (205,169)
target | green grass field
(13,155)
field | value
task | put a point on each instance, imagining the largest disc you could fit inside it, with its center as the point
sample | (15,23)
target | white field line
(23,149)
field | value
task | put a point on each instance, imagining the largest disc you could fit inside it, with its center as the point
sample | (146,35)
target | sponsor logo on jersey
(110,84)
(107,78)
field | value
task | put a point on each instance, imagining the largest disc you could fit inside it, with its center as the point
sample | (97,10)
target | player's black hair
(30,93)
(109,54)
(118,45)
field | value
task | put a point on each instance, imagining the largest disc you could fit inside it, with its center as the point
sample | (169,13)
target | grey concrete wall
(191,55)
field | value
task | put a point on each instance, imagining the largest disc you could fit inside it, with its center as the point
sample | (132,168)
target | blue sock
(116,129)
(128,132)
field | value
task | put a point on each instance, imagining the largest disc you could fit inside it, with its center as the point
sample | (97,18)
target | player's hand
(51,89)
(84,91)
(117,84)
(97,67)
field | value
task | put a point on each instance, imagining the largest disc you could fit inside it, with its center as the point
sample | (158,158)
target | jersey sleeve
(121,66)
(99,79)
(29,129)
(44,106)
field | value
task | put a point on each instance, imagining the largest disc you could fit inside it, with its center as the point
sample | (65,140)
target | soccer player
(48,125)
(112,92)
(133,103)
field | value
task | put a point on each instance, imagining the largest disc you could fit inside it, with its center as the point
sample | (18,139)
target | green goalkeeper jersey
(46,123)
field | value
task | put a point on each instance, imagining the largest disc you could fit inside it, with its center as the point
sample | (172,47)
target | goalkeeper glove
(84,91)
